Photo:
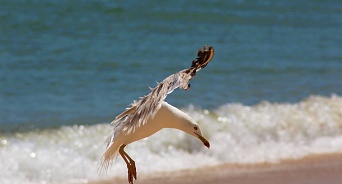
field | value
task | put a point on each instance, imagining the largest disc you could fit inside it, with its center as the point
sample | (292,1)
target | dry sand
(319,169)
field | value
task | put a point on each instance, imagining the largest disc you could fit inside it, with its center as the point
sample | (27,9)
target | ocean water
(67,68)
(238,134)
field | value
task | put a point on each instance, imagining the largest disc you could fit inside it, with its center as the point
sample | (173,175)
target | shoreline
(314,169)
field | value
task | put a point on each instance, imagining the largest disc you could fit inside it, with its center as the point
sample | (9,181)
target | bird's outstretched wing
(139,112)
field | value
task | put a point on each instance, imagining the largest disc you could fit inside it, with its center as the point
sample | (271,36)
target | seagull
(151,114)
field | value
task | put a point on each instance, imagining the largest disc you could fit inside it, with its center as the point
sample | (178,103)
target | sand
(317,169)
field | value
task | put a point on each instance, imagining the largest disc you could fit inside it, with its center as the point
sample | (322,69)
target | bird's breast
(149,128)
(165,117)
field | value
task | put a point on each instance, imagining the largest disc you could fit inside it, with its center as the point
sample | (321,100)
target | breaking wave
(266,132)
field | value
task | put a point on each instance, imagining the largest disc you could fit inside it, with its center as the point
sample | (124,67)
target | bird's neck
(173,117)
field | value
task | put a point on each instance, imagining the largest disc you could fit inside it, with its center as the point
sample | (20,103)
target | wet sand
(318,169)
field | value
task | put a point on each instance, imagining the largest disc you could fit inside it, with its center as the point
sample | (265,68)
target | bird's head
(175,118)
(190,127)
(194,130)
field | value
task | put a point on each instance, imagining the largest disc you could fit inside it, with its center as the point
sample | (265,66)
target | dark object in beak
(205,141)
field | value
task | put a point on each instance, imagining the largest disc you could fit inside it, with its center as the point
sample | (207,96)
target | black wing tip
(204,56)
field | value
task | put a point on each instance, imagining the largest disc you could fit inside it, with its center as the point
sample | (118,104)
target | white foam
(266,132)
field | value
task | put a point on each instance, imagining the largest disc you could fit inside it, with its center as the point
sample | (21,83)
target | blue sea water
(73,62)
(67,62)
(67,68)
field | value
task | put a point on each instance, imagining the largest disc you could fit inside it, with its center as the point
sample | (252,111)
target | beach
(269,103)
(317,169)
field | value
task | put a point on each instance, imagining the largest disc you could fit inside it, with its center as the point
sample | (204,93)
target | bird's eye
(196,128)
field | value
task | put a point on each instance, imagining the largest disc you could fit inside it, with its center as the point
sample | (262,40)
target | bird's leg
(132,162)
(132,172)
(129,167)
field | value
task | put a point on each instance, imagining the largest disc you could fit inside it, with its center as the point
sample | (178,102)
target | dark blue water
(83,62)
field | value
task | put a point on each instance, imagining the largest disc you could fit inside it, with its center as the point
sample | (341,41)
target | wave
(239,134)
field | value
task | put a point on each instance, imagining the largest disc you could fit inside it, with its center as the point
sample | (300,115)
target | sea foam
(239,134)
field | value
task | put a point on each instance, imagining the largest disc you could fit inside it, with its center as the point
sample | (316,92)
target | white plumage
(150,114)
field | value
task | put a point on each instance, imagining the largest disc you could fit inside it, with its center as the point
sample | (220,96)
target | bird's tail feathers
(108,156)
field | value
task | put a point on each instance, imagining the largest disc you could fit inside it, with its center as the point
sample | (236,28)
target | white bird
(151,114)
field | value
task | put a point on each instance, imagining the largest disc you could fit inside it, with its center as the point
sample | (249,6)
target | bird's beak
(205,141)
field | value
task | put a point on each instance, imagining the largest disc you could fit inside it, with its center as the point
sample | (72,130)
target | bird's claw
(132,172)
